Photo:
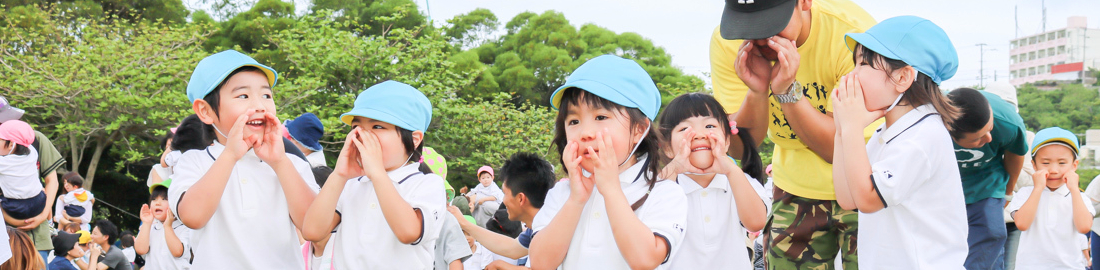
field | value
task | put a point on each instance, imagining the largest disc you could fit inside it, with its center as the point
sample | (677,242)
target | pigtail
(751,163)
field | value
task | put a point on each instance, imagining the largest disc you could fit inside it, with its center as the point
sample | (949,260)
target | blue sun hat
(616,79)
(1054,136)
(395,103)
(307,130)
(913,40)
(212,70)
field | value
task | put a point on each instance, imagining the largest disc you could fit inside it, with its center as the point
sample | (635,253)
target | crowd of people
(875,167)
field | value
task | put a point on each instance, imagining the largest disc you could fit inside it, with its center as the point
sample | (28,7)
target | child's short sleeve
(555,199)
(430,197)
(759,189)
(1019,199)
(305,171)
(898,173)
(191,167)
(665,213)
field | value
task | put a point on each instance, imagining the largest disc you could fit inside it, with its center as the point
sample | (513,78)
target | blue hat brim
(869,41)
(272,78)
(600,90)
(377,115)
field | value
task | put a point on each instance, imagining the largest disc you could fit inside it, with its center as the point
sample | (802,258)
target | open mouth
(258,123)
(158,211)
(700,148)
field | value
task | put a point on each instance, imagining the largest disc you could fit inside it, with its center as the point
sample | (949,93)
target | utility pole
(981,64)
(1044,16)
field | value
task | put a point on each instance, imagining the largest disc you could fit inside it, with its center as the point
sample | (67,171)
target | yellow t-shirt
(824,59)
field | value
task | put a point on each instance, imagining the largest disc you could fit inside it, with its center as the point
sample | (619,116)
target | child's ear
(418,136)
(204,111)
(904,78)
(641,131)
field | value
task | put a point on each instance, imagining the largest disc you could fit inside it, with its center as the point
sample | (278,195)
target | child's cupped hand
(237,144)
(580,187)
(269,145)
(722,163)
(348,163)
(605,164)
(370,153)
(146,215)
(850,107)
(1039,178)
(1072,179)
(680,163)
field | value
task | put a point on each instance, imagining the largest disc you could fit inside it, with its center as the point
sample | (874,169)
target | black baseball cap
(63,242)
(755,19)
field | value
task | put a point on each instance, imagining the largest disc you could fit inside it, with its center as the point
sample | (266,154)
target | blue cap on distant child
(615,79)
(212,70)
(1054,136)
(395,103)
(307,130)
(913,40)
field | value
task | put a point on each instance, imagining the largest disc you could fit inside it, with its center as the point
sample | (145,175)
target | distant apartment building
(1056,55)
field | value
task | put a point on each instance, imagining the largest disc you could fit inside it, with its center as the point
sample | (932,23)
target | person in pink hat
(485,198)
(23,194)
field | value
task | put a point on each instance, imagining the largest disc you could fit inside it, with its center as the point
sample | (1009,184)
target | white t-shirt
(714,230)
(924,222)
(482,257)
(363,238)
(19,175)
(593,245)
(70,198)
(324,262)
(159,256)
(1092,196)
(130,254)
(251,227)
(492,190)
(1051,242)
(316,159)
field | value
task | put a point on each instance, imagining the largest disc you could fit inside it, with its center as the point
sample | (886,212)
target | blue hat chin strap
(895,102)
(639,143)
(220,131)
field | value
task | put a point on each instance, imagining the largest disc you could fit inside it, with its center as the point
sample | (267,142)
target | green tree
(1071,106)
(110,84)
(169,11)
(471,29)
(372,17)
(249,31)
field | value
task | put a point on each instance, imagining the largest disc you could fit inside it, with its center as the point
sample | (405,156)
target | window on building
(1012,74)
(1050,36)
(1042,38)
(1031,56)
(1022,72)
(1013,59)
(1031,71)
(1062,34)
(1042,53)
(1050,51)
(1031,40)
(1047,69)
(1062,49)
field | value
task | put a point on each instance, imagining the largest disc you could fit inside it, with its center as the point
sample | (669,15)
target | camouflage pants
(805,233)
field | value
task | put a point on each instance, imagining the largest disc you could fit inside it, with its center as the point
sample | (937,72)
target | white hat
(1004,90)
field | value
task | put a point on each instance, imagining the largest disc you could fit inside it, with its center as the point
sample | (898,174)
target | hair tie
(733,127)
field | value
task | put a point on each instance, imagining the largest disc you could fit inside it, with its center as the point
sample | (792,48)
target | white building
(1092,144)
(1033,58)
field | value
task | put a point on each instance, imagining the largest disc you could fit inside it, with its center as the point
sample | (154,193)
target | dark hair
(923,90)
(485,172)
(126,240)
(529,174)
(502,225)
(414,151)
(214,99)
(649,145)
(698,104)
(74,179)
(192,134)
(320,174)
(72,225)
(167,136)
(20,150)
(975,111)
(107,228)
(160,192)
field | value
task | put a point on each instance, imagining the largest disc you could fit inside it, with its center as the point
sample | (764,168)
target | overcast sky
(684,27)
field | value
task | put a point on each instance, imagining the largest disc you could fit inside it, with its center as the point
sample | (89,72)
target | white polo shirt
(1051,242)
(593,245)
(316,159)
(251,228)
(924,222)
(363,239)
(714,229)
(159,256)
(19,175)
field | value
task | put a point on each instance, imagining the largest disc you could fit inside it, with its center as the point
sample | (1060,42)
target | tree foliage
(1072,107)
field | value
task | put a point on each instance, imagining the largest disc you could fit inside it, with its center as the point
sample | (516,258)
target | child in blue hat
(904,181)
(244,196)
(386,206)
(306,132)
(1052,214)
(614,212)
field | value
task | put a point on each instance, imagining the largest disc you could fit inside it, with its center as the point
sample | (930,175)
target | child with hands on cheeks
(1047,211)
(246,177)
(904,181)
(721,197)
(614,212)
(160,240)
(375,186)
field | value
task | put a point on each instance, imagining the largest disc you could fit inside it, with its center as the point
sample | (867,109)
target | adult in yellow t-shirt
(774,64)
